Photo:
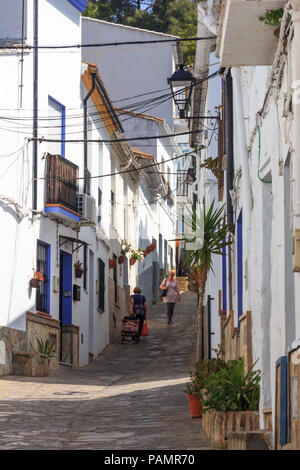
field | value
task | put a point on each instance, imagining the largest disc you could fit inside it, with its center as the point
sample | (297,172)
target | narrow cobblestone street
(131,397)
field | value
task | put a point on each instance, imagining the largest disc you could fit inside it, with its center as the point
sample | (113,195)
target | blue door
(65,288)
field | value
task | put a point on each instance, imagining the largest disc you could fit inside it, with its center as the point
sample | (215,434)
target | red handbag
(144,331)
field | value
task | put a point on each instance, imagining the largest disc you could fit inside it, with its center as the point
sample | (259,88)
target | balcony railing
(61,180)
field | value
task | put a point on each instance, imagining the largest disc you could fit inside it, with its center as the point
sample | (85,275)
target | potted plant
(125,248)
(121,259)
(231,399)
(79,269)
(38,277)
(198,378)
(150,247)
(194,400)
(136,255)
(210,223)
(44,351)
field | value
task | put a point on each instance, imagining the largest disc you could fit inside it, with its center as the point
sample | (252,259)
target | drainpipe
(85,130)
(35,107)
(229,149)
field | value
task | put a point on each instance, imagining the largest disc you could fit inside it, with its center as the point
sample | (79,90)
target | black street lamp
(182,83)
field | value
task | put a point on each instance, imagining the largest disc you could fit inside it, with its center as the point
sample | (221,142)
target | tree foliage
(176,17)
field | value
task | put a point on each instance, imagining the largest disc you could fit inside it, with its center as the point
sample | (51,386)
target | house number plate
(67,293)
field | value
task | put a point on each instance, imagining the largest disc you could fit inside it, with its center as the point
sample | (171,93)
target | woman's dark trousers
(170,310)
(141,318)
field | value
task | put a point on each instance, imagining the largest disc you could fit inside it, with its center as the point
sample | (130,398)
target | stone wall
(11,340)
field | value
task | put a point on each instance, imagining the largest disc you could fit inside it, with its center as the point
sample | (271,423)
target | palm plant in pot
(211,224)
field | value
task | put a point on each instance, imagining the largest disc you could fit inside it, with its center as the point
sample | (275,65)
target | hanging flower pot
(152,247)
(145,253)
(121,259)
(37,278)
(132,261)
(35,283)
(112,263)
(79,269)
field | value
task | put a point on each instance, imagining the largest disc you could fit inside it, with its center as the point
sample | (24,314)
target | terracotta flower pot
(112,263)
(78,272)
(35,283)
(145,253)
(151,247)
(132,261)
(121,259)
(195,406)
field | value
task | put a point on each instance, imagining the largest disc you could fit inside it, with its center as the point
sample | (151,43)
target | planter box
(218,425)
(30,365)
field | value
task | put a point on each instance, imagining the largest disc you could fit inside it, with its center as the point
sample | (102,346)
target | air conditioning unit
(86,207)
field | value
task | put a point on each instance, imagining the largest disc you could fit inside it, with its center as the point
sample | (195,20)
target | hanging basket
(35,283)
(151,247)
(112,263)
(78,272)
(121,259)
(132,261)
(145,253)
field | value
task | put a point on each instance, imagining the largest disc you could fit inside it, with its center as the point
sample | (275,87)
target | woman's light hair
(172,272)
(137,290)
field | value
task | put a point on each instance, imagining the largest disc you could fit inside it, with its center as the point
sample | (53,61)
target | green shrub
(272,17)
(230,389)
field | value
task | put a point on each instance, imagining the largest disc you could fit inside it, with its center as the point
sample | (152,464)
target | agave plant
(210,223)
(44,347)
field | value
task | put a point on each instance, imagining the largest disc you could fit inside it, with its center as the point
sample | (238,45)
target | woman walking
(138,306)
(172,294)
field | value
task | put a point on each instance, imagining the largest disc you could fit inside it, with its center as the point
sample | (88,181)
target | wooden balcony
(61,187)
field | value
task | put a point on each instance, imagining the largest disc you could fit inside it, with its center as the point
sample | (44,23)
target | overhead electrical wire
(108,141)
(118,172)
(104,44)
(129,107)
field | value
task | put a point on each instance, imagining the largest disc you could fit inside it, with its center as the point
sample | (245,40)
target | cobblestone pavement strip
(130,397)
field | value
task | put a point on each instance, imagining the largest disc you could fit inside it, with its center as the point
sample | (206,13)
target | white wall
(142,68)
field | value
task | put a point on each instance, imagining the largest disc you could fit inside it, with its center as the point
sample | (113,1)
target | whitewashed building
(55,207)
(259,183)
(144,103)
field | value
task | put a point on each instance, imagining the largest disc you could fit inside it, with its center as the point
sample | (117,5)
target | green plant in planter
(272,17)
(137,254)
(189,389)
(230,389)
(43,348)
